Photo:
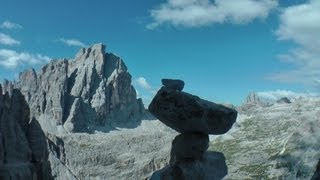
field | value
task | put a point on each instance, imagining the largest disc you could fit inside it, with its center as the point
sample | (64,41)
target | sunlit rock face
(90,92)
(95,126)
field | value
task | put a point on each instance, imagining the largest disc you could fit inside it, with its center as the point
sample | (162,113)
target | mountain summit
(92,91)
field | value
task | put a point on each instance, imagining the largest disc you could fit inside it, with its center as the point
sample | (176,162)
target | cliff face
(92,118)
(92,91)
(23,145)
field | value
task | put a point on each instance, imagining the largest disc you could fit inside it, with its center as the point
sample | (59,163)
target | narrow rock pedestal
(195,119)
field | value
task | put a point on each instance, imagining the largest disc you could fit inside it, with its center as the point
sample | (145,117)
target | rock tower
(195,119)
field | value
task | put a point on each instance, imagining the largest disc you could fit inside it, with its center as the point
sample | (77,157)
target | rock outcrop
(194,118)
(174,84)
(92,91)
(184,112)
(91,117)
(23,145)
(284,100)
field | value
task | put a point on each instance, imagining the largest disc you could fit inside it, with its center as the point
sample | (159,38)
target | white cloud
(10,25)
(196,13)
(300,24)
(11,59)
(142,82)
(72,42)
(7,40)
(277,94)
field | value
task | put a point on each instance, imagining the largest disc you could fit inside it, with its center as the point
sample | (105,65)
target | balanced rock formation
(91,91)
(23,145)
(194,118)
(284,100)
(184,112)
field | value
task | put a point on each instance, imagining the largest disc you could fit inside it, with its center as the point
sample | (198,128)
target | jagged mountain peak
(92,90)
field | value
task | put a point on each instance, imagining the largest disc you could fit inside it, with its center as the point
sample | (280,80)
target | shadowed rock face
(174,84)
(93,90)
(188,146)
(194,118)
(211,167)
(23,145)
(316,175)
(188,113)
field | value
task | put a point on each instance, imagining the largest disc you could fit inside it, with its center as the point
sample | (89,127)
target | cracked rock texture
(91,92)
(23,145)
(188,113)
(95,126)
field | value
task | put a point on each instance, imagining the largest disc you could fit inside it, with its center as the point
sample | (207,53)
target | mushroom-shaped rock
(188,113)
(174,84)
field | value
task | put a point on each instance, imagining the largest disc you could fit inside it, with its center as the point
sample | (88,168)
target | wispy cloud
(72,42)
(299,24)
(144,90)
(10,25)
(197,13)
(7,40)
(142,82)
(11,59)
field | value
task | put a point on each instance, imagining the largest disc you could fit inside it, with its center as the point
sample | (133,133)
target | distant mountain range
(80,119)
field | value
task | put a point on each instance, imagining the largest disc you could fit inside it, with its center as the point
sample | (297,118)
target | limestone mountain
(92,120)
(92,91)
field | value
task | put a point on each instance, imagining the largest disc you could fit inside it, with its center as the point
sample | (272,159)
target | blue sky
(222,49)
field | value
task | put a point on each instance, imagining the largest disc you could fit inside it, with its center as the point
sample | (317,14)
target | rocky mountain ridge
(278,141)
(91,92)
(90,125)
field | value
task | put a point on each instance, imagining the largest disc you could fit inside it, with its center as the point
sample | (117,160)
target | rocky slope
(91,92)
(92,118)
(92,128)
(23,145)
(278,141)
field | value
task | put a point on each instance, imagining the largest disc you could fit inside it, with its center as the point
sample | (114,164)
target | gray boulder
(188,147)
(188,113)
(174,84)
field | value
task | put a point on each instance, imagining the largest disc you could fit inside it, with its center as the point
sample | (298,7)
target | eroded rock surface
(195,119)
(90,92)
(189,146)
(188,113)
(174,84)
(23,145)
